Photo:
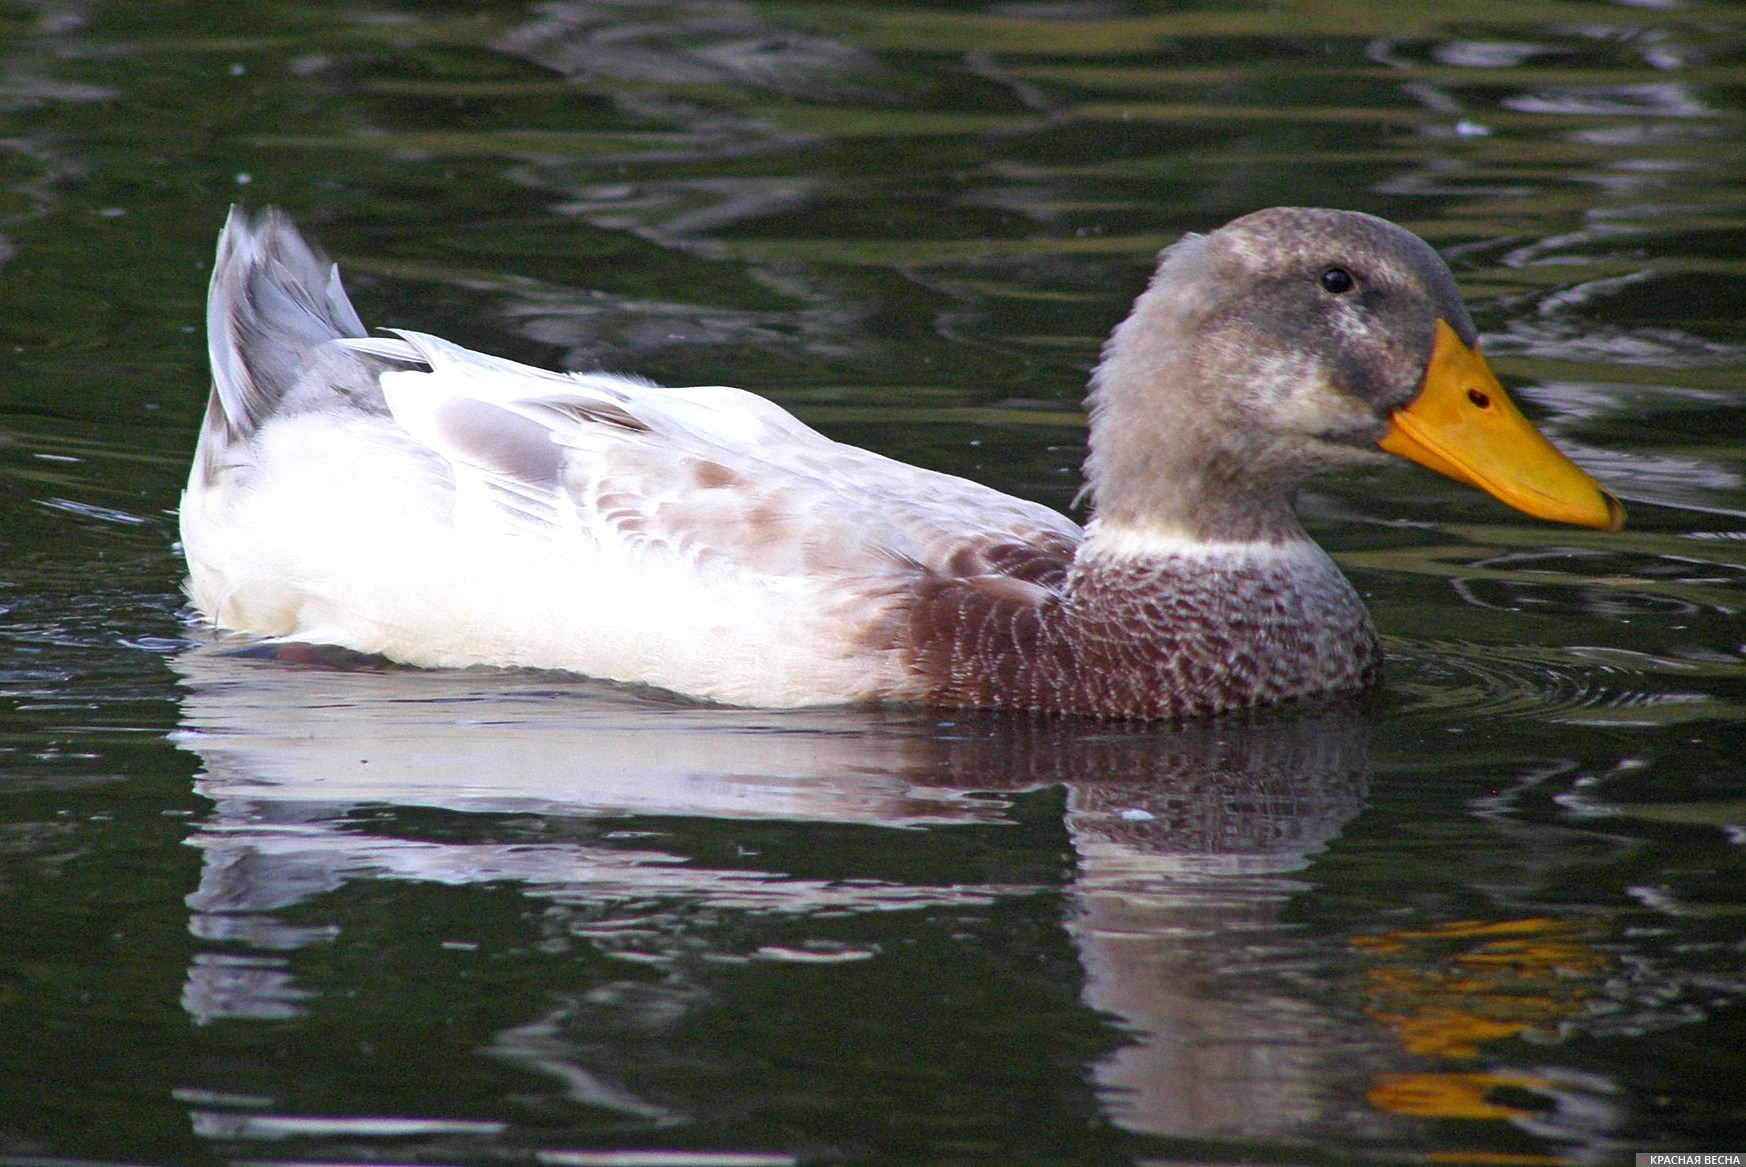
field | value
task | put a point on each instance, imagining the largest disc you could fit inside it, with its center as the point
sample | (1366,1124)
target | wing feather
(711,474)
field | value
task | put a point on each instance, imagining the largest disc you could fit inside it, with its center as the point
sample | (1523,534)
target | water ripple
(1577,685)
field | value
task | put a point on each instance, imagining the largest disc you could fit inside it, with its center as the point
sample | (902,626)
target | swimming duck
(402,496)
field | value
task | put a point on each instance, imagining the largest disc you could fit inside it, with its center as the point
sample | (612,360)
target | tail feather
(274,306)
(273,300)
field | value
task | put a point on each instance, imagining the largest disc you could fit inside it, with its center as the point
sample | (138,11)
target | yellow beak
(1462,424)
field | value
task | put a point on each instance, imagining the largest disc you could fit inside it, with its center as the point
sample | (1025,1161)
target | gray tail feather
(274,309)
(273,302)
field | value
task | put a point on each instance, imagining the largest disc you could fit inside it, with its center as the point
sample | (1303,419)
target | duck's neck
(1173,448)
(1284,554)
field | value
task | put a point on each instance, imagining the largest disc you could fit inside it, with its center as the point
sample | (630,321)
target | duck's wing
(708,474)
(717,476)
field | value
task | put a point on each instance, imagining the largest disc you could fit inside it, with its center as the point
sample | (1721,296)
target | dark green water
(260,914)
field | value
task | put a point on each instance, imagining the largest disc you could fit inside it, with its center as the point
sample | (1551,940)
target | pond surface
(258,913)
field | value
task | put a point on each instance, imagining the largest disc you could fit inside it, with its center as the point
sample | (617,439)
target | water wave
(1572,685)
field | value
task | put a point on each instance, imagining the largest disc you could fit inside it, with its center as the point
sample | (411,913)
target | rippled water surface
(261,913)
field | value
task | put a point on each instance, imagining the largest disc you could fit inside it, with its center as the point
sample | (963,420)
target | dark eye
(1337,280)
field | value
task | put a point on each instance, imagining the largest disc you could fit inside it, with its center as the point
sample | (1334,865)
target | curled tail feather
(274,306)
(273,299)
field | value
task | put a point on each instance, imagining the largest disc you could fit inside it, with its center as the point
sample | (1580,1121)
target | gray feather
(274,311)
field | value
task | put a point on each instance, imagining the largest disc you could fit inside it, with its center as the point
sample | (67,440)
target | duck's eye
(1337,280)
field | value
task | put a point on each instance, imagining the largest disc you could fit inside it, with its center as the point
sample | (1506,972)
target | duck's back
(410,498)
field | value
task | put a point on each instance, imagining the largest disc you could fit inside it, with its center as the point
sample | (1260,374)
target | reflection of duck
(438,506)
(1183,841)
(605,812)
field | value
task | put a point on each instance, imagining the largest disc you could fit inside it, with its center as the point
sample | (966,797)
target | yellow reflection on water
(1446,991)
(1452,1095)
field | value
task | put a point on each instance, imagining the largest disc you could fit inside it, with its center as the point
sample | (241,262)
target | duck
(397,495)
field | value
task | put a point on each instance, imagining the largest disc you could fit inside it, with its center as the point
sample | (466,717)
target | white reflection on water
(1178,892)
(1184,842)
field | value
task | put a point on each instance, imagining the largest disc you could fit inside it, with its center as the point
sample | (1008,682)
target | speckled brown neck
(1145,636)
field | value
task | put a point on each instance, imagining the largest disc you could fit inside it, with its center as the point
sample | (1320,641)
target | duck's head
(1295,340)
